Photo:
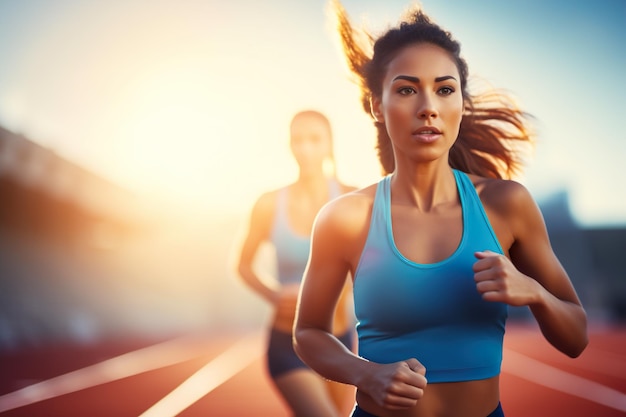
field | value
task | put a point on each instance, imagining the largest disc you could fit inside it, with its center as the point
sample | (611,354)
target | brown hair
(494,135)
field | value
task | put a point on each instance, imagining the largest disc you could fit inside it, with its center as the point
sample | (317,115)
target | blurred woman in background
(284,217)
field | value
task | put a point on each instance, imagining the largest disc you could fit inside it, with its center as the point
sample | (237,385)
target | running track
(222,375)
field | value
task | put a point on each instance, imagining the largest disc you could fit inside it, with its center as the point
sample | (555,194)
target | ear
(375,108)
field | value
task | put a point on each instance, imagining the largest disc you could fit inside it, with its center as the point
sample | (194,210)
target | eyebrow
(417,80)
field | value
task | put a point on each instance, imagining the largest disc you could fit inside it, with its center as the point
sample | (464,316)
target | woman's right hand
(395,386)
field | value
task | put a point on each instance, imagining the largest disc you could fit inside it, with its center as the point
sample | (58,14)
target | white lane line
(132,363)
(209,377)
(542,374)
(599,361)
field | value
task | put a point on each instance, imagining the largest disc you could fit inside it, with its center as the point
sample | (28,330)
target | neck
(425,187)
(311,178)
(309,193)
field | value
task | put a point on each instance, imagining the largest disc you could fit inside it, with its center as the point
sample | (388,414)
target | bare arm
(336,239)
(533,276)
(258,232)
(321,288)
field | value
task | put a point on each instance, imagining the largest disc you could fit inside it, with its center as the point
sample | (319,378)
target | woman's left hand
(498,280)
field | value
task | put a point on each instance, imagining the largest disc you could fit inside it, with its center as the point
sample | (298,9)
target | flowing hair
(494,136)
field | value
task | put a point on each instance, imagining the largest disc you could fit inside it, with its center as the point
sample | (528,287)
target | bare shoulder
(262,213)
(511,208)
(506,197)
(343,222)
(349,208)
(266,203)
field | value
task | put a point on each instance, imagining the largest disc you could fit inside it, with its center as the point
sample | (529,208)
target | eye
(446,91)
(405,91)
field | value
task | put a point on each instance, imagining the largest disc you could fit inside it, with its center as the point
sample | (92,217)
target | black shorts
(281,357)
(358,412)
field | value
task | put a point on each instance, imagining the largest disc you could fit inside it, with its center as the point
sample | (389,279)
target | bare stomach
(452,399)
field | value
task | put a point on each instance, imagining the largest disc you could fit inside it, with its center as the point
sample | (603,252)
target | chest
(300,212)
(427,238)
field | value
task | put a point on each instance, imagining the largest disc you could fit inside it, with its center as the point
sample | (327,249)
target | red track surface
(536,380)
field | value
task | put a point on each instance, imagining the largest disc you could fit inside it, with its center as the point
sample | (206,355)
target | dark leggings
(358,412)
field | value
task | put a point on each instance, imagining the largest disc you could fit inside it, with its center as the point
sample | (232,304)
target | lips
(426,134)
(427,130)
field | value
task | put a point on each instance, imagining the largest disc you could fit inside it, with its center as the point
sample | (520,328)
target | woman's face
(421,103)
(311,142)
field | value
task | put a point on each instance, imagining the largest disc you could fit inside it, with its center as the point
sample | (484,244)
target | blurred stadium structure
(84,259)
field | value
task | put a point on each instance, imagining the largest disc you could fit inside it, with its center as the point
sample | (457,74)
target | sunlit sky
(191,99)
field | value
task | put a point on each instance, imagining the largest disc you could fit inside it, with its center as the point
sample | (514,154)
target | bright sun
(166,137)
(182,137)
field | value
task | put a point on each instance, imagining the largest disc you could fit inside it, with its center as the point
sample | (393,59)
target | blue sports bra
(431,312)
(292,250)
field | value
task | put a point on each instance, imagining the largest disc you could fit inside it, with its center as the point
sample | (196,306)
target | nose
(426,109)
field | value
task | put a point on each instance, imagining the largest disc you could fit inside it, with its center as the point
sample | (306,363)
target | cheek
(399,112)
(455,113)
(452,120)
